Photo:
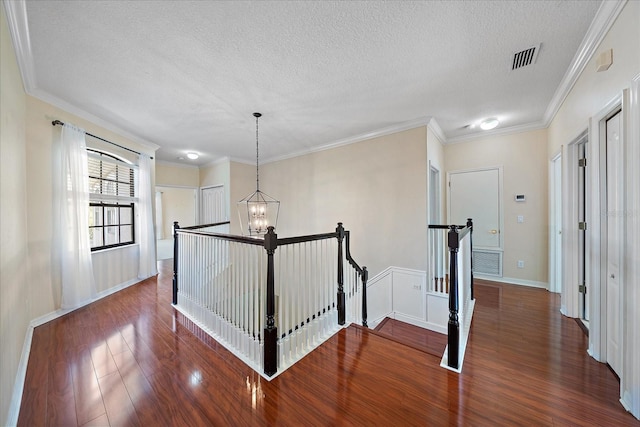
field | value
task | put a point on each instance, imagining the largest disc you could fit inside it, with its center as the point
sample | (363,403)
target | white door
(477,194)
(213,207)
(614,240)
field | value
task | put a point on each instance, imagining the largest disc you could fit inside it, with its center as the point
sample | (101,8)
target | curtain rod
(58,122)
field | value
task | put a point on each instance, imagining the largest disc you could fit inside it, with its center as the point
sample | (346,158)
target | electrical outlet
(417,287)
(520,264)
(520,219)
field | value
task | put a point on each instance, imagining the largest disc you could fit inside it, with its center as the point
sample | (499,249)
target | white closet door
(476,195)
(213,207)
(615,209)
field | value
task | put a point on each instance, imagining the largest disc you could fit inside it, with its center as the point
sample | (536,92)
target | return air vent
(487,262)
(525,57)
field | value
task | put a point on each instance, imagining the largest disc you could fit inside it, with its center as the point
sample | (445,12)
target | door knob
(494,232)
(613,276)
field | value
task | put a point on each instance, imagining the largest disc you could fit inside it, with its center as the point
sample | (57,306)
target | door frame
(500,200)
(597,229)
(570,299)
(555,210)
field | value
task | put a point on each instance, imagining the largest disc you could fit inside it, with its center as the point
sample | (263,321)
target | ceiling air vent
(525,57)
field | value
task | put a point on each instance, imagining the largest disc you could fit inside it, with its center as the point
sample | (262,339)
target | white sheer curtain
(74,251)
(147,239)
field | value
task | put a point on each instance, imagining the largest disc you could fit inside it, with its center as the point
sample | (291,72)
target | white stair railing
(268,301)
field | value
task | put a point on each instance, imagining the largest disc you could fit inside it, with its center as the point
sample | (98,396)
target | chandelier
(258,211)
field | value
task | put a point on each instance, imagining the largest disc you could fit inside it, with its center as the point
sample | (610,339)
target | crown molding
(175,165)
(16,12)
(400,127)
(437,130)
(602,22)
(79,112)
(499,131)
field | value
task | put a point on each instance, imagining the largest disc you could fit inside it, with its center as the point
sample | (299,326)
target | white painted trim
(570,295)
(175,165)
(18,386)
(513,281)
(527,127)
(433,125)
(630,377)
(16,12)
(554,181)
(596,234)
(19,27)
(602,22)
(465,339)
(16,398)
(389,130)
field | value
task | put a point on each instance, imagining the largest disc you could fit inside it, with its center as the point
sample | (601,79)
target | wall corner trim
(602,22)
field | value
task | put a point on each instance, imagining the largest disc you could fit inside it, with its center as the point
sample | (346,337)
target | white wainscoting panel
(400,293)
(379,297)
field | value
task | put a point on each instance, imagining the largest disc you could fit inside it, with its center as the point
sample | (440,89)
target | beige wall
(242,182)
(178,204)
(594,90)
(30,284)
(177,175)
(15,292)
(523,157)
(377,188)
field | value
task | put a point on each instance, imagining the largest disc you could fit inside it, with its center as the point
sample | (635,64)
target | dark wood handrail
(271,243)
(196,227)
(229,237)
(309,238)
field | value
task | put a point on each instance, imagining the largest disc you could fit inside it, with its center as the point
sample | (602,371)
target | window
(112,197)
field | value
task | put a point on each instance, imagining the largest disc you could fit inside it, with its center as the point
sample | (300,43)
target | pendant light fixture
(258,211)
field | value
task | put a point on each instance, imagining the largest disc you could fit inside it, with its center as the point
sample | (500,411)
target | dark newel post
(470,225)
(453,328)
(270,332)
(176,227)
(341,297)
(365,278)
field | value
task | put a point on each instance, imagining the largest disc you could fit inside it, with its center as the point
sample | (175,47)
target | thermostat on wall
(520,198)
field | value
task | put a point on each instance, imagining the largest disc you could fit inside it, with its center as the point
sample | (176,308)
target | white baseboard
(18,388)
(513,281)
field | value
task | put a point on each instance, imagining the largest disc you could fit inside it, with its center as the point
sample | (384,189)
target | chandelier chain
(257,157)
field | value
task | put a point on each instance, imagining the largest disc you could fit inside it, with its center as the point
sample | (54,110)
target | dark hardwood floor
(414,336)
(131,359)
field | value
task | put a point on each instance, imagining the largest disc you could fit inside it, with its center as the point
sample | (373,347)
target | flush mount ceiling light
(258,211)
(489,124)
(192,155)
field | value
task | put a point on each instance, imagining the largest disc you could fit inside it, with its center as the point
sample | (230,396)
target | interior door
(614,241)
(477,195)
(213,207)
(582,231)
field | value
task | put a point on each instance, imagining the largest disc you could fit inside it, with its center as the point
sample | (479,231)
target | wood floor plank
(120,409)
(89,404)
(525,364)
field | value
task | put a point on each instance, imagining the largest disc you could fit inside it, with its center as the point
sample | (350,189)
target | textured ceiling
(188,75)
